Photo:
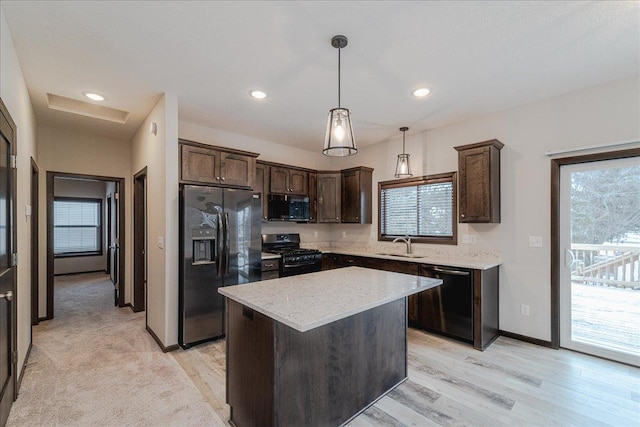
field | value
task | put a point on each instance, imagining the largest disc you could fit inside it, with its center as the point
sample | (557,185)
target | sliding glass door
(600,258)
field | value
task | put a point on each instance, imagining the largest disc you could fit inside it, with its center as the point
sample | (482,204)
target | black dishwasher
(448,308)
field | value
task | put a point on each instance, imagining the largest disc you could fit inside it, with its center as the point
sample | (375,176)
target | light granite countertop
(307,301)
(449,260)
(266,255)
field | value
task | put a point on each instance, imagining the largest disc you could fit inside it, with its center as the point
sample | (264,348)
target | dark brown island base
(316,349)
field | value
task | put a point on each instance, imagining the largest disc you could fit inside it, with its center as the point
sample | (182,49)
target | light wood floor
(511,383)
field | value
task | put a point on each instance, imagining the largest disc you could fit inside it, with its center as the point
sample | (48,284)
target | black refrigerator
(220,245)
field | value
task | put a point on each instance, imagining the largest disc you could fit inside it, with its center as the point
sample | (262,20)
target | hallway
(95,364)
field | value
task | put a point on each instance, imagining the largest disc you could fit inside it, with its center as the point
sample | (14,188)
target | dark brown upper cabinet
(313,197)
(289,181)
(328,196)
(205,164)
(479,182)
(356,195)
(262,186)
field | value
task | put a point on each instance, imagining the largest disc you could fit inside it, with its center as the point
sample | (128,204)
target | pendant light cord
(403,132)
(339,49)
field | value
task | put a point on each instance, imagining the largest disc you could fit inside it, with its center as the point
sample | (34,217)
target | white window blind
(76,226)
(421,210)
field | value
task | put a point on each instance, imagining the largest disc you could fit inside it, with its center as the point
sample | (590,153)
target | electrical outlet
(344,234)
(469,239)
(535,241)
(315,234)
(524,310)
(161,242)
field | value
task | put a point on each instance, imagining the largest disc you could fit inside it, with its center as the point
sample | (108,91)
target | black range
(294,260)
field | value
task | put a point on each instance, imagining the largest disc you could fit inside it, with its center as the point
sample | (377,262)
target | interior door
(7,267)
(600,265)
(139,241)
(115,261)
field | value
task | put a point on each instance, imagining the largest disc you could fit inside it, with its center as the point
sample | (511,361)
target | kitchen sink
(402,255)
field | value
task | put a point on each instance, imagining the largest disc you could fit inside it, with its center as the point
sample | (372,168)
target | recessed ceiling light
(94,96)
(420,92)
(258,94)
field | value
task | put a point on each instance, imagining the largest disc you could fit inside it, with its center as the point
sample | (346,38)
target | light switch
(161,242)
(469,239)
(535,241)
(27,210)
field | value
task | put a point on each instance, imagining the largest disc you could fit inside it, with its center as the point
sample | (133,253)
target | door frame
(109,240)
(139,302)
(12,247)
(121,231)
(555,226)
(35,247)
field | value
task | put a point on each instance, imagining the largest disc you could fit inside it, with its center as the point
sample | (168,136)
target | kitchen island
(316,349)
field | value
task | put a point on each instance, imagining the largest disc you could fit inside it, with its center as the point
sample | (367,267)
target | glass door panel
(600,266)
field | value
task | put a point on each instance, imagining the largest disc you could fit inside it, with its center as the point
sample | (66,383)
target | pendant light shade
(339,140)
(403,168)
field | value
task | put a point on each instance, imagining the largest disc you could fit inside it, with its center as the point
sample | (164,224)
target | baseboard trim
(160,344)
(24,368)
(525,338)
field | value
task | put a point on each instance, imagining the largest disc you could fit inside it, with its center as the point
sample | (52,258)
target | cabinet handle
(356,217)
(461,215)
(223,178)
(217,178)
(454,272)
(267,265)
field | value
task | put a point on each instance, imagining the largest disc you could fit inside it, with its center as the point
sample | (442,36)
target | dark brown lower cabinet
(331,261)
(478,301)
(278,376)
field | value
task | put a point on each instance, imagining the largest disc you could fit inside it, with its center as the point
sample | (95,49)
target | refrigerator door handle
(220,246)
(226,243)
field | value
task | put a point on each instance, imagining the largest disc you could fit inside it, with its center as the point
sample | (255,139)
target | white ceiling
(479,57)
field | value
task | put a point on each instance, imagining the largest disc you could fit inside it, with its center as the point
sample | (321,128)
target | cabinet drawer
(270,265)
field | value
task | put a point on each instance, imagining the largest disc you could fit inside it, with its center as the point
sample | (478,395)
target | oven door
(292,268)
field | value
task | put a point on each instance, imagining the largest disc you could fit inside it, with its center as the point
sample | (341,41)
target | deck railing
(606,265)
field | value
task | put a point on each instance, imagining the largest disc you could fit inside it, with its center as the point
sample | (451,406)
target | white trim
(600,147)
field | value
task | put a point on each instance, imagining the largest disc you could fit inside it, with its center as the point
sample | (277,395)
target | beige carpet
(95,365)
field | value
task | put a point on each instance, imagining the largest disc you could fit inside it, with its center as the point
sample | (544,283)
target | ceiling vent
(68,105)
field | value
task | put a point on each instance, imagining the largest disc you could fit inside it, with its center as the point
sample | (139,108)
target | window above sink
(423,208)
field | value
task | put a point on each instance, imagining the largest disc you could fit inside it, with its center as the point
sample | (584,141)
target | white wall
(89,190)
(600,115)
(159,154)
(14,94)
(92,155)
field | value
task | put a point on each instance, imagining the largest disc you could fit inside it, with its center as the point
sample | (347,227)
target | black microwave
(288,208)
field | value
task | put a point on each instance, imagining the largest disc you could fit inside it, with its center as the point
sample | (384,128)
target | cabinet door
(313,197)
(279,180)
(236,169)
(298,182)
(475,192)
(329,197)
(200,165)
(479,183)
(261,185)
(351,196)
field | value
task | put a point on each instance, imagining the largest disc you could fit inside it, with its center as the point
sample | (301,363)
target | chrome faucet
(405,239)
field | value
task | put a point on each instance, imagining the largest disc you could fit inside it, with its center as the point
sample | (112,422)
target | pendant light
(403,168)
(338,140)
